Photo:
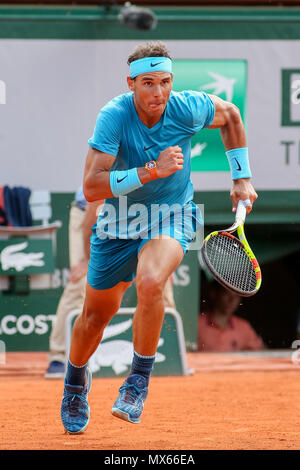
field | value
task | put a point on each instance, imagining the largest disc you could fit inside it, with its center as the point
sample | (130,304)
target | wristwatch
(151,167)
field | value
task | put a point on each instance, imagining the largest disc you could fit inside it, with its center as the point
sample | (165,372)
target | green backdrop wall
(26,320)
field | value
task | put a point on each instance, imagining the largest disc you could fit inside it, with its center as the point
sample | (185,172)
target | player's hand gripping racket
(230,260)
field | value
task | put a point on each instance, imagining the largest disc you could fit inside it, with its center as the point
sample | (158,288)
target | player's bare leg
(157,260)
(99,307)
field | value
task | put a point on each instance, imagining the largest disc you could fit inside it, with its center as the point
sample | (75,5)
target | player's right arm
(96,180)
(96,185)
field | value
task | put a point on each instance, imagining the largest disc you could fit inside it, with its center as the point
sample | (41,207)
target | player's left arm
(228,119)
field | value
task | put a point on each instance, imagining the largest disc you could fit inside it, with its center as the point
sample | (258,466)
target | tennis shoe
(130,402)
(75,410)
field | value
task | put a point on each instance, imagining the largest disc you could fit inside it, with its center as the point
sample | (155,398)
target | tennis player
(139,161)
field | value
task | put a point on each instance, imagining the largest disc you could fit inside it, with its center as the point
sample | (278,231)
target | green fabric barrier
(272,228)
(271,207)
(98,22)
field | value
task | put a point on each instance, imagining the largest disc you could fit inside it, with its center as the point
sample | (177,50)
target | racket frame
(238,226)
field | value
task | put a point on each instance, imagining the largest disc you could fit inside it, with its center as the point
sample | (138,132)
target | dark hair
(150,49)
(211,292)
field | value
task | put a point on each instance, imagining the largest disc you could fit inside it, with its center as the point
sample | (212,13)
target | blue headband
(150,64)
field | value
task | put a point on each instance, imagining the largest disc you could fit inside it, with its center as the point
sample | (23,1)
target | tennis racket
(230,260)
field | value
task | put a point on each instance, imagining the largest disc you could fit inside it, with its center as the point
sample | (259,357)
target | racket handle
(241,210)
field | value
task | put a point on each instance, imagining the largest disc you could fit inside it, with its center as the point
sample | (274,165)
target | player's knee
(93,320)
(149,285)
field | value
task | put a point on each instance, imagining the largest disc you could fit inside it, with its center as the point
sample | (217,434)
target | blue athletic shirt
(120,132)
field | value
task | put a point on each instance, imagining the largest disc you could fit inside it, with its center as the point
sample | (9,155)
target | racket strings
(228,258)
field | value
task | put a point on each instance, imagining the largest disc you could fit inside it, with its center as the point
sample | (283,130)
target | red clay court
(231,402)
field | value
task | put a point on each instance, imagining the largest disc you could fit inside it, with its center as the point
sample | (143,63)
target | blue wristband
(124,181)
(239,163)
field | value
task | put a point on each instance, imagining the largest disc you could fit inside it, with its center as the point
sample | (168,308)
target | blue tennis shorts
(113,260)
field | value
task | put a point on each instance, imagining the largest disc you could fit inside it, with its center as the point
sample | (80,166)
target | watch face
(151,165)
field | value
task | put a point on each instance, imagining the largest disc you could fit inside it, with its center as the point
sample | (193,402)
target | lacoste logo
(147,148)
(157,63)
(118,353)
(119,180)
(11,257)
(238,165)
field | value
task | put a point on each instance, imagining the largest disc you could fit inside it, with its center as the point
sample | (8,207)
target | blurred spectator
(83,215)
(219,329)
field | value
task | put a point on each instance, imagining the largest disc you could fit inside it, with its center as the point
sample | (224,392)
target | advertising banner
(224,78)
